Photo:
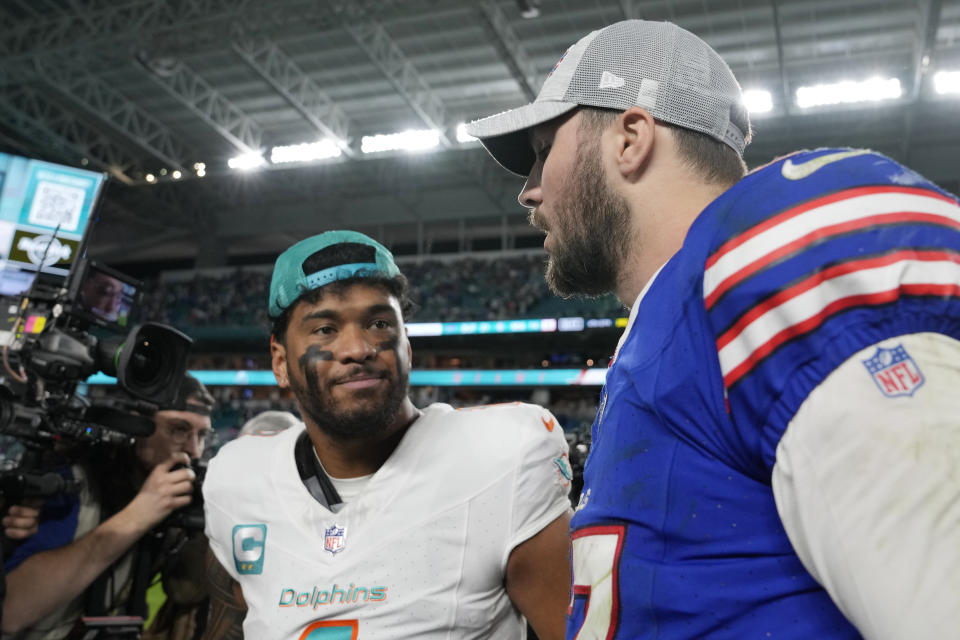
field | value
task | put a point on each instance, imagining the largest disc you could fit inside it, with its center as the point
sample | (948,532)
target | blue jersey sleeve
(816,257)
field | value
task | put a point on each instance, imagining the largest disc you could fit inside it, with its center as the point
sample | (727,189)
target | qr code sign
(57,204)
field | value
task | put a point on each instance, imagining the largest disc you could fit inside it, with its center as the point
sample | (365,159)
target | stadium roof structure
(155,92)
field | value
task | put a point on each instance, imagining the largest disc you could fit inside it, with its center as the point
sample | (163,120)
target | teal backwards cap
(325,258)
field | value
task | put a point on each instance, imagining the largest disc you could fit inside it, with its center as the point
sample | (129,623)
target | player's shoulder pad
(245,460)
(515,414)
(847,167)
(514,424)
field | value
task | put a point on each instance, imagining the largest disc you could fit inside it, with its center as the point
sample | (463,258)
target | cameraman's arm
(227,606)
(52,578)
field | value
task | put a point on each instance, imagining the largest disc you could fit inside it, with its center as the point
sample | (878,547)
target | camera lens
(152,361)
(146,362)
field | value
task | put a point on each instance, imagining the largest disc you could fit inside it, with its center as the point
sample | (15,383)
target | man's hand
(21,520)
(164,490)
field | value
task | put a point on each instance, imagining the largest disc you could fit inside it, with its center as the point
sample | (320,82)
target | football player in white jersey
(377,519)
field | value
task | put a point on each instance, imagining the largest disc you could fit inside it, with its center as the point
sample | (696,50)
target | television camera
(56,337)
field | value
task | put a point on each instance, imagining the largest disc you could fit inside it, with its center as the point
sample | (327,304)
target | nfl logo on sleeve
(333,539)
(249,541)
(894,371)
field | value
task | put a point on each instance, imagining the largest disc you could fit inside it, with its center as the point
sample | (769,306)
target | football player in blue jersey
(776,446)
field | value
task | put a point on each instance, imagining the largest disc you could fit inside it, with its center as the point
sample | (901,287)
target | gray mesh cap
(667,70)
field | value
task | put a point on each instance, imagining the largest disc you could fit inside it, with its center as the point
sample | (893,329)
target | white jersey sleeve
(214,485)
(867,485)
(543,476)
(231,490)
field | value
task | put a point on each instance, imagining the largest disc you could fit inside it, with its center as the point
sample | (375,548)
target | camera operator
(81,559)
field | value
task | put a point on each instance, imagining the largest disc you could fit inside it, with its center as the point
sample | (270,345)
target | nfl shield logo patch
(894,372)
(333,538)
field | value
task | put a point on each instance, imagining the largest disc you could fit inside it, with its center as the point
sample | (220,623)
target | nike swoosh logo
(793,171)
(549,424)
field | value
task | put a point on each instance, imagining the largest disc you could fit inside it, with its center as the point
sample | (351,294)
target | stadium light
(410,140)
(176,175)
(246,161)
(758,100)
(462,135)
(946,82)
(150,177)
(872,89)
(305,152)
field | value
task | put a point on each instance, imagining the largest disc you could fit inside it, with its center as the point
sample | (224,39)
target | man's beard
(370,419)
(592,225)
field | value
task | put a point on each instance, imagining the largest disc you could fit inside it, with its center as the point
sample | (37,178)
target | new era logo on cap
(610,81)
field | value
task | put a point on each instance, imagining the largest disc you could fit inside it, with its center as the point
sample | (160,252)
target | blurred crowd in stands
(478,289)
(464,289)
(237,299)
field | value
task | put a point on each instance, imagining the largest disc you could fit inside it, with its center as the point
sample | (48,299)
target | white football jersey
(421,552)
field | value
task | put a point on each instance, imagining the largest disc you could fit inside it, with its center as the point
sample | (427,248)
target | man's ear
(635,135)
(278,362)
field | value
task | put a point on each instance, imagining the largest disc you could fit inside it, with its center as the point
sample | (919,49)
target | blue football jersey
(800,265)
